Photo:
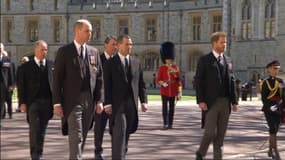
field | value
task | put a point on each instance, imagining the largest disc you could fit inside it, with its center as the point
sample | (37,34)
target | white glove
(164,84)
(273,108)
(179,96)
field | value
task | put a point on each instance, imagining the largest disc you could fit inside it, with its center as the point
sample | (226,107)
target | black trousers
(167,110)
(3,95)
(273,121)
(9,104)
(125,120)
(99,129)
(39,113)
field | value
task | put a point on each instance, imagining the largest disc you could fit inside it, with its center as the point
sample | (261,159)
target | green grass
(158,98)
(151,97)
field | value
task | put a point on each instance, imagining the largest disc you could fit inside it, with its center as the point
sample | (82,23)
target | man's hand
(99,108)
(108,109)
(23,107)
(179,96)
(203,106)
(57,110)
(234,107)
(144,107)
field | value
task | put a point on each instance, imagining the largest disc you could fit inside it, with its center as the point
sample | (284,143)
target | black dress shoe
(199,156)
(99,157)
(165,127)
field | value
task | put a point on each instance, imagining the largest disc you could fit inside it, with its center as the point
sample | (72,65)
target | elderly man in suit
(124,84)
(78,87)
(110,46)
(215,90)
(35,93)
(5,78)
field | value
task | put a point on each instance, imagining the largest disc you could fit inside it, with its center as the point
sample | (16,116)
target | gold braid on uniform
(273,90)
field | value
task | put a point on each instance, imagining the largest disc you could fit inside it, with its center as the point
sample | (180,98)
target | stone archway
(149,60)
(193,56)
(191,61)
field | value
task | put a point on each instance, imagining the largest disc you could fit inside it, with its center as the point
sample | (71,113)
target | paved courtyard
(246,137)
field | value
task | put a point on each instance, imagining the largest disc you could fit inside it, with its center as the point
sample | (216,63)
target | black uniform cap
(273,63)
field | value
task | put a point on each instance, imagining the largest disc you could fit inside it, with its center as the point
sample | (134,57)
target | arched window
(246,20)
(193,59)
(150,61)
(269,26)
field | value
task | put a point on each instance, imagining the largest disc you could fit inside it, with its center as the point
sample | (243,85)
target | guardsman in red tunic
(168,78)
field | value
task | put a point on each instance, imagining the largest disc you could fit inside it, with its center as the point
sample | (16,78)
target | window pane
(123,27)
(56,30)
(151,29)
(96,30)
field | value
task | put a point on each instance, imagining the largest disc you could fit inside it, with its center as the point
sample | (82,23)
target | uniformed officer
(168,78)
(272,94)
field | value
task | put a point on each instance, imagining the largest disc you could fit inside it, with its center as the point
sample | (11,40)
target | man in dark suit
(124,84)
(78,86)
(5,78)
(101,119)
(215,91)
(35,96)
(10,91)
(22,61)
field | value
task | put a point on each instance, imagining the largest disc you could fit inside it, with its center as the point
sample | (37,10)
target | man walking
(124,84)
(5,79)
(77,87)
(101,119)
(215,90)
(35,93)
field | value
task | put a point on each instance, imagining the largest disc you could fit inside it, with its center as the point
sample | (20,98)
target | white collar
(77,45)
(217,54)
(123,57)
(107,55)
(38,61)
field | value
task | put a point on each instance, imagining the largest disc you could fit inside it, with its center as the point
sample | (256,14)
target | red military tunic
(169,74)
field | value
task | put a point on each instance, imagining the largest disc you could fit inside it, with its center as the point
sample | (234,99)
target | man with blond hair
(78,87)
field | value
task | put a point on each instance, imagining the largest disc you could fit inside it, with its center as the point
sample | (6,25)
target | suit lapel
(133,66)
(121,66)
(92,64)
(214,61)
(49,68)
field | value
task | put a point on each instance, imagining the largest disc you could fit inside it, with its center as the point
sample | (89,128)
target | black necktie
(42,67)
(81,52)
(220,60)
(126,65)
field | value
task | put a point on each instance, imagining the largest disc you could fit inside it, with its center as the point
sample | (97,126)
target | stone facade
(173,22)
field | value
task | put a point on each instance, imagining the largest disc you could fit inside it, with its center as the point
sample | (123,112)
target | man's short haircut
(121,38)
(39,42)
(109,37)
(216,35)
(79,23)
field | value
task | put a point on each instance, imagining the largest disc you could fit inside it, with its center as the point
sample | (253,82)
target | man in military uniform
(272,95)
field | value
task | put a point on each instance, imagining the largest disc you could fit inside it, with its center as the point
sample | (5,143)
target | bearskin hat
(167,51)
